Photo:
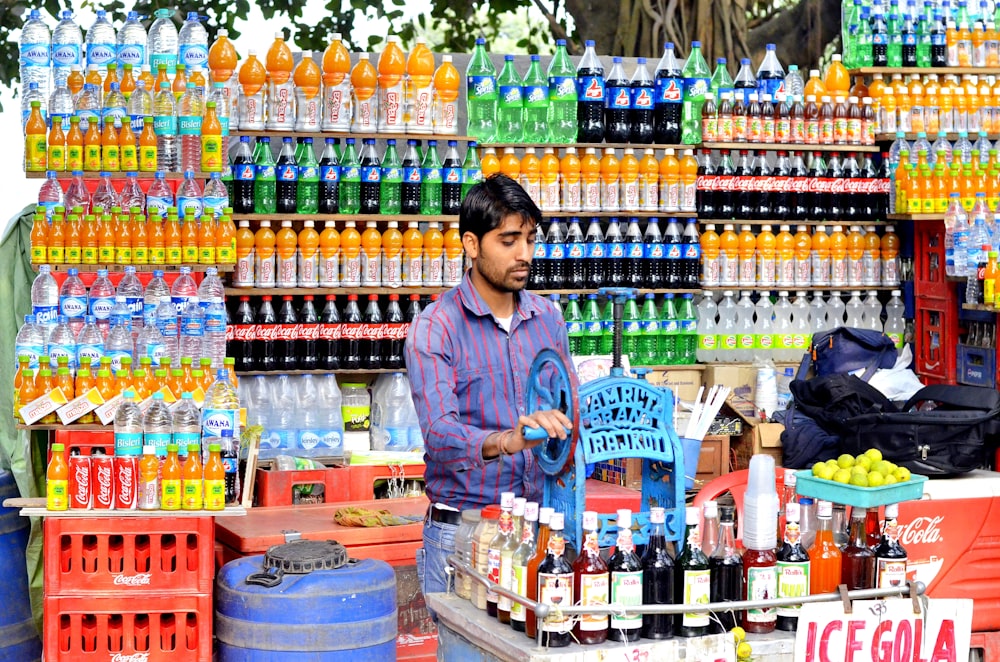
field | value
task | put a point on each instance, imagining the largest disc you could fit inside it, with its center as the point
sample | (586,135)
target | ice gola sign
(884,631)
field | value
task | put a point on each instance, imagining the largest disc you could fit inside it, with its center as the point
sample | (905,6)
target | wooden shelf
(980,307)
(620,214)
(323,291)
(867,71)
(789,147)
(915,217)
(116,268)
(738,221)
(931,137)
(35,507)
(812,288)
(67,175)
(640,291)
(318,371)
(582,146)
(359,218)
(73,427)
(321,135)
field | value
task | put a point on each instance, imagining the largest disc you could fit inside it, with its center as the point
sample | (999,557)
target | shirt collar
(526,304)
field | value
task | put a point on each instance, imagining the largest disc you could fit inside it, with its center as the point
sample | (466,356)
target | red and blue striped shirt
(469,379)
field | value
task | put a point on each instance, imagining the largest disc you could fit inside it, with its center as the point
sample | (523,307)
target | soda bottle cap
(146,449)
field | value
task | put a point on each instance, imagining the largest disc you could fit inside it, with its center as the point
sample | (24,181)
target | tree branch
(558,31)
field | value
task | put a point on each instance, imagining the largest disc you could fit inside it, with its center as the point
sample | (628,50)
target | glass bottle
(626,581)
(505,530)
(485,531)
(873,532)
(761,580)
(507,556)
(555,586)
(793,569)
(807,521)
(710,528)
(890,557)
(727,572)
(657,578)
(525,550)
(692,583)
(544,522)
(463,548)
(858,563)
(839,522)
(824,555)
(590,583)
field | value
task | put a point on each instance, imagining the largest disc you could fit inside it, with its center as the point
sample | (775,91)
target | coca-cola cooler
(952,539)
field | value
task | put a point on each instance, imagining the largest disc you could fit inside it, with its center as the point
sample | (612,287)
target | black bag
(846,349)
(941,430)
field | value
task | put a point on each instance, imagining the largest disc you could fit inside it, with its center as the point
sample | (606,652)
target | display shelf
(982,307)
(321,135)
(72,427)
(323,291)
(582,146)
(915,217)
(318,371)
(640,291)
(88,174)
(742,221)
(35,507)
(116,268)
(359,218)
(810,288)
(790,147)
(868,71)
(619,214)
(951,135)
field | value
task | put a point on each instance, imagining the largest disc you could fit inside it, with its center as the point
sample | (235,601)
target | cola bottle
(641,102)
(835,177)
(654,255)
(705,186)
(287,175)
(328,345)
(372,336)
(817,185)
(851,199)
(538,271)
(762,187)
(690,255)
(594,251)
(618,102)
(410,190)
(244,334)
(286,344)
(668,100)
(350,341)
(614,269)
(781,191)
(725,205)
(672,263)
(576,277)
(800,201)
(555,256)
(745,202)
(243,176)
(329,178)
(266,332)
(413,309)
(877,186)
(371,178)
(308,335)
(633,254)
(395,335)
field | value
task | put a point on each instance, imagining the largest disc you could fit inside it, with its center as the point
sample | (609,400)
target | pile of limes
(865,470)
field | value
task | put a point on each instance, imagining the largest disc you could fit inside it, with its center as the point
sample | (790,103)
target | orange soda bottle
(74,145)
(161,77)
(180,82)
(110,152)
(821,257)
(729,257)
(84,382)
(222,59)
(454,258)
(649,181)
(56,156)
(413,249)
(147,146)
(838,256)
(391,71)
(689,181)
(419,92)
(446,84)
(94,76)
(890,257)
(215,480)
(855,256)
(548,169)
(171,240)
(171,479)
(225,240)
(206,240)
(57,241)
(510,165)
(35,157)
(149,490)
(127,151)
(784,271)
(73,249)
(590,176)
(337,86)
(280,90)
(803,256)
(308,267)
(766,262)
(39,239)
(329,256)
(670,182)
(197,78)
(88,240)
(44,385)
(489,164)
(211,141)
(157,240)
(371,255)
(191,480)
(123,242)
(57,480)
(127,82)
(252,77)
(569,175)
(111,77)
(530,174)
(364,79)
(244,273)
(815,85)
(189,238)
(308,104)
(75,80)
(105,240)
(747,247)
(392,255)
(610,181)
(710,262)
(837,80)
(64,381)
(629,180)
(140,240)
(433,255)
(265,260)
(350,255)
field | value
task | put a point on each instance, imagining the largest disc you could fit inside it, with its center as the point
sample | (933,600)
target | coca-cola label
(103,482)
(706,182)
(80,494)
(267,332)
(742,184)
(330,331)
(244,332)
(308,332)
(372,331)
(921,530)
(286,332)
(134,657)
(837,186)
(230,333)
(351,331)
(126,469)
(395,331)
(139,579)
(800,184)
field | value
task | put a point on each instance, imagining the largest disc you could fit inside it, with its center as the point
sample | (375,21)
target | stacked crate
(936,309)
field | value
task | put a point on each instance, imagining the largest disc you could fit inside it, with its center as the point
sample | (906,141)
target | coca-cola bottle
(745,206)
(853,189)
(395,335)
(308,335)
(781,190)
(371,339)
(762,187)
(285,344)
(412,310)
(835,196)
(799,201)
(244,336)
(330,329)
(870,200)
(725,187)
(266,333)
(350,341)
(817,188)
(705,188)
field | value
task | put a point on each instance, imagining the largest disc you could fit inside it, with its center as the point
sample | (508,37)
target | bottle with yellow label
(171,480)
(57,146)
(147,146)
(191,478)
(127,148)
(57,479)
(215,479)
(74,145)
(110,152)
(92,148)
(34,140)
(211,140)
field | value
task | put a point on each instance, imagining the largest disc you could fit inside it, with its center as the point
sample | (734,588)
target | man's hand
(555,423)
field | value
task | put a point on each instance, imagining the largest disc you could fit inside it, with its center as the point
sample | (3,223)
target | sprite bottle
(390,193)
(481,87)
(592,328)
(574,324)
(472,172)
(349,189)
(307,193)
(697,78)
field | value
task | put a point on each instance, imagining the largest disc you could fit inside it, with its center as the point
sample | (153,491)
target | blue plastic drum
(305,601)
(19,640)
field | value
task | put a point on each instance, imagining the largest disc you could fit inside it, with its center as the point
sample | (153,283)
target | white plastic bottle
(89,342)
(131,288)
(183,289)
(895,326)
(128,425)
(855,311)
(745,329)
(727,329)
(193,42)
(102,43)
(156,287)
(872,315)
(801,327)
(118,345)
(31,341)
(817,315)
(150,343)
(73,299)
(165,126)
(166,323)
(157,425)
(62,343)
(132,42)
(190,196)
(67,48)
(34,50)
(45,298)
(215,198)
(190,109)
(331,422)
(185,421)
(161,43)
(102,300)
(764,329)
(192,326)
(61,104)
(784,340)
(214,340)
(707,330)
(835,311)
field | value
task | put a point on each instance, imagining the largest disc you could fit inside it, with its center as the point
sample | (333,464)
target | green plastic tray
(863,497)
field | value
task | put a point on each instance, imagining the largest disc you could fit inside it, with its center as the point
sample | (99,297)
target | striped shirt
(469,379)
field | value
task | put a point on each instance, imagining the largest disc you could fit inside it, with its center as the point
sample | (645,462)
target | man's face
(503,256)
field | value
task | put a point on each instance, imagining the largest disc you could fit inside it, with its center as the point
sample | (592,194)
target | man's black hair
(492,200)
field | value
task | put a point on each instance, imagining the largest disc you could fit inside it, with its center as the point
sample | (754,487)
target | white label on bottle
(594,591)
(492,571)
(506,579)
(891,573)
(556,590)
(793,582)
(697,587)
(762,584)
(626,589)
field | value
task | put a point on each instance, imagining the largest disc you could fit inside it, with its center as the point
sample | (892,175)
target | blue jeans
(439,543)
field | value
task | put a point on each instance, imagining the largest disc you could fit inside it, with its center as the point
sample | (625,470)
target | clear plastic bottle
(102,300)
(961,235)
(34,93)
(707,330)
(872,314)
(185,421)
(73,299)
(150,343)
(77,193)
(118,345)
(161,43)
(215,198)
(128,425)
(794,84)
(855,311)
(165,126)
(214,339)
(156,287)
(61,104)
(88,107)
(166,323)
(159,196)
(193,42)
(921,144)
(211,286)
(45,298)
(67,48)
(801,327)
(784,343)
(102,43)
(895,326)
(192,330)
(183,289)
(89,342)
(31,341)
(727,329)
(131,194)
(34,50)
(963,147)
(62,343)
(220,424)
(120,314)
(190,108)
(817,315)
(132,42)
(982,144)
(330,422)
(105,196)
(898,146)
(51,194)
(140,106)
(190,196)
(157,424)
(763,345)
(745,329)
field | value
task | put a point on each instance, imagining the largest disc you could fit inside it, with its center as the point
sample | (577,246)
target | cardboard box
(684,383)
(742,378)
(757,437)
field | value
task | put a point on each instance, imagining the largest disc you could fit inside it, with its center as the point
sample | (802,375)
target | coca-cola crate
(936,339)
(929,275)
(85,441)
(364,478)
(176,628)
(135,557)
(276,488)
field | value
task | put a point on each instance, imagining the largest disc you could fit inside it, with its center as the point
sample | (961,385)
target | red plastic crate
(86,441)
(364,477)
(929,275)
(936,340)
(155,629)
(275,488)
(134,557)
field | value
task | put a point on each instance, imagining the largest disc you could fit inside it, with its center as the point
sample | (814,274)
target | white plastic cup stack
(760,505)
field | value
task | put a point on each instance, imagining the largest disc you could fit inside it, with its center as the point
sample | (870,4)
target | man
(468,357)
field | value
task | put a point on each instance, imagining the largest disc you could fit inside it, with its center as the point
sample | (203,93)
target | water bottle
(190,196)
(855,311)
(330,422)
(745,329)
(982,144)
(88,107)
(961,234)
(105,196)
(481,88)
(952,214)
(34,50)
(45,298)
(895,326)
(182,290)
(50,195)
(190,109)
(102,300)
(801,325)
(794,85)
(185,420)
(150,343)
(872,312)
(817,315)
(562,96)
(67,48)
(165,127)
(763,330)
(192,330)
(166,324)
(89,342)
(120,313)
(510,104)
(102,46)
(73,299)
(118,345)
(62,343)
(707,330)
(161,44)
(726,329)
(159,197)
(214,338)
(193,42)
(61,104)
(280,417)
(131,194)
(34,93)
(31,341)
(132,42)
(131,289)
(128,426)
(215,198)
(158,425)
(211,287)
(590,96)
